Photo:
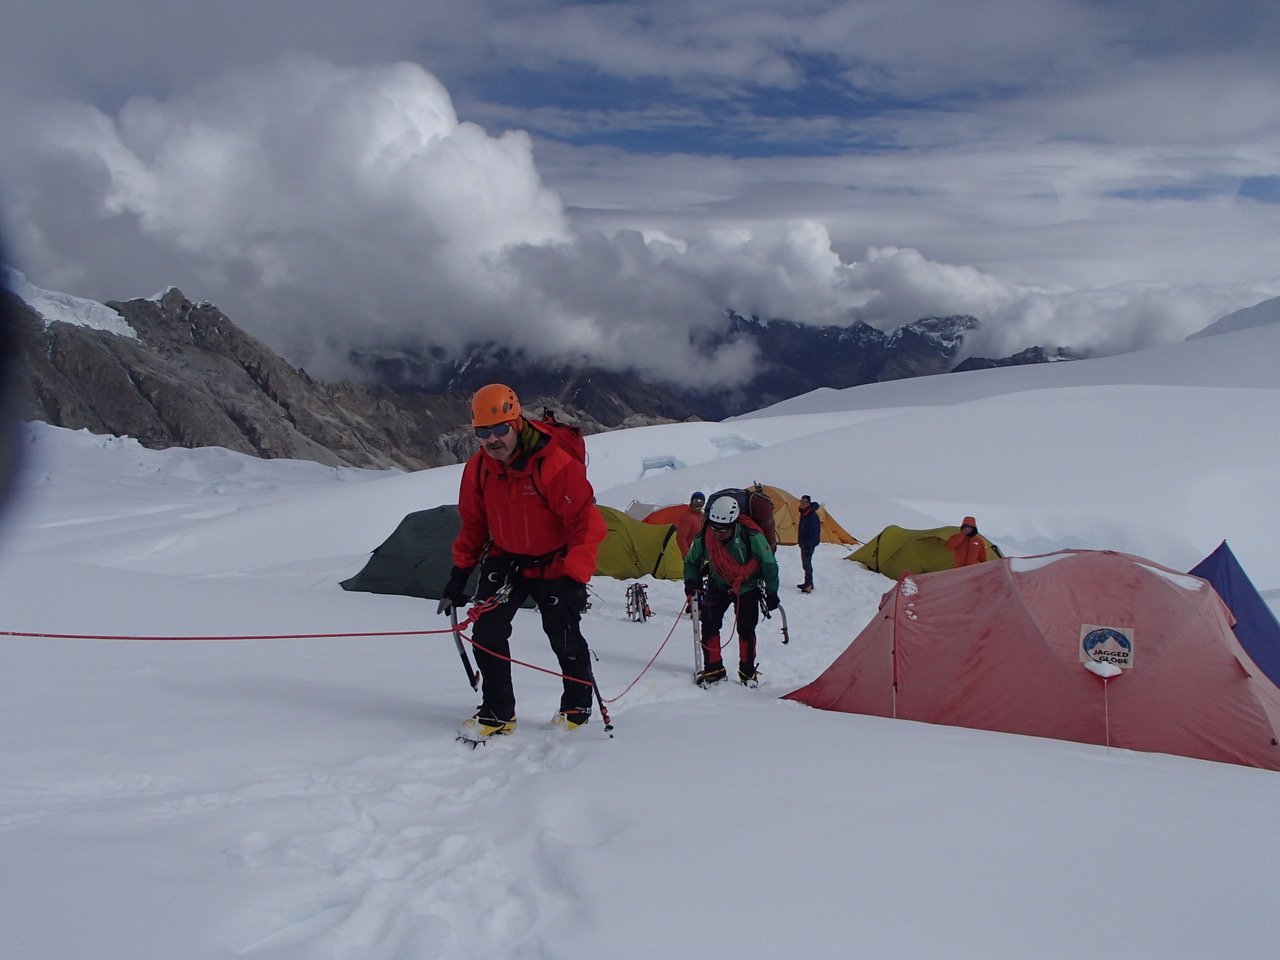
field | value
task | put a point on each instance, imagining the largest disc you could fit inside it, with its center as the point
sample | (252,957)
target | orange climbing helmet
(494,404)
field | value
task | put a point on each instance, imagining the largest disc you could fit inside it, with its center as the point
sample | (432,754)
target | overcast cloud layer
(606,178)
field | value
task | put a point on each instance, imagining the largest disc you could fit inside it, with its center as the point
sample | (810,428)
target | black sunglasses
(501,430)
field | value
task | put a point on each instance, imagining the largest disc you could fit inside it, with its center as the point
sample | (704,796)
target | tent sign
(1106,645)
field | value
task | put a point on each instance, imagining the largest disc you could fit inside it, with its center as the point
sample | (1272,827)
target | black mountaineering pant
(493,631)
(716,601)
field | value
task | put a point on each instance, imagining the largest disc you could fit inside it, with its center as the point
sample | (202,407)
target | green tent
(416,559)
(896,550)
(633,549)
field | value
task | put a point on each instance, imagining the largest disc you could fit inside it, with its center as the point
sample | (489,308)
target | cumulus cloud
(334,209)
(337,205)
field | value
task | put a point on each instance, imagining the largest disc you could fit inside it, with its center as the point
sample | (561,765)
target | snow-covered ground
(305,798)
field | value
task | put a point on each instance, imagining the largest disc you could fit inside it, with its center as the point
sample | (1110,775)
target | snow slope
(302,798)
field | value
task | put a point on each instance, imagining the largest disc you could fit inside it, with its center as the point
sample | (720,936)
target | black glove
(771,600)
(572,593)
(691,587)
(454,592)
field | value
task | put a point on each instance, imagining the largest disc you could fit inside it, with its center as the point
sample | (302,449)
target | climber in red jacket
(530,522)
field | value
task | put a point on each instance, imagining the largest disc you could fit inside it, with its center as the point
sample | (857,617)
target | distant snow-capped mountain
(65,308)
(1259,315)
(171,372)
(795,358)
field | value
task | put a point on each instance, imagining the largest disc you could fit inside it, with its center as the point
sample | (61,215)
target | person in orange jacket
(530,522)
(966,546)
(689,523)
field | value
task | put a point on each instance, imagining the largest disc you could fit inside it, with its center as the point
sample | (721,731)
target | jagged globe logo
(1107,645)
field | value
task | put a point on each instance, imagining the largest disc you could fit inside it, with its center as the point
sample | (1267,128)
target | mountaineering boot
(570,719)
(801,586)
(483,725)
(712,673)
(748,675)
(807,588)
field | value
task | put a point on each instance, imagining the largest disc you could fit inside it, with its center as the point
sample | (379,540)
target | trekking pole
(473,676)
(696,620)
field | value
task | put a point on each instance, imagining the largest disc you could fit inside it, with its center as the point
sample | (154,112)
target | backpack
(565,434)
(755,509)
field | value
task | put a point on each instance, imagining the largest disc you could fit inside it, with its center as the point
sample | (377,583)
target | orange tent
(786,516)
(666,514)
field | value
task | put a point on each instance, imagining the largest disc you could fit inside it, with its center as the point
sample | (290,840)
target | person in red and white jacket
(529,519)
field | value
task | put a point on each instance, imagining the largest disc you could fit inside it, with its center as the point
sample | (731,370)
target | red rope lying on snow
(472,615)
(267,636)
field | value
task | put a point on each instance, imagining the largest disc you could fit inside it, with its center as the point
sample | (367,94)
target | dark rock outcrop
(193,378)
(1020,359)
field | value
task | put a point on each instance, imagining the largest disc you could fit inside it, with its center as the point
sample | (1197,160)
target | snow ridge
(64,308)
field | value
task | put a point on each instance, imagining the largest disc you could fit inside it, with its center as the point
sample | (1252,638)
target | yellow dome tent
(896,550)
(633,548)
(786,517)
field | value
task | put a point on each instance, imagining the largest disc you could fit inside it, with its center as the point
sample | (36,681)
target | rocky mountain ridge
(190,377)
(792,358)
(796,358)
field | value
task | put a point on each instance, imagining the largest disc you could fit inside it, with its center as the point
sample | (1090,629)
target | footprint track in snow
(379,880)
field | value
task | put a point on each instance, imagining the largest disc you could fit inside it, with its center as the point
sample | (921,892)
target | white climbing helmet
(724,511)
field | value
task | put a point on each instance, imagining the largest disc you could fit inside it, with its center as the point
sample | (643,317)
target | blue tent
(1256,626)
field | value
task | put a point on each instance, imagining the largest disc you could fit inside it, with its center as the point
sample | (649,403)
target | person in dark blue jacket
(808,535)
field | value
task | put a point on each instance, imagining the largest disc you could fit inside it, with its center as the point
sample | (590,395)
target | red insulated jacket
(688,526)
(537,505)
(967,550)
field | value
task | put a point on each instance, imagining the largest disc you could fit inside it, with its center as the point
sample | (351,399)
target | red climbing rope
(476,611)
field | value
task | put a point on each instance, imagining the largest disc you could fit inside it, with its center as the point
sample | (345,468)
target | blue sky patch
(1266,189)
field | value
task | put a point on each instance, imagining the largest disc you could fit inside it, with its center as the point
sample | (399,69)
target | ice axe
(473,676)
(764,608)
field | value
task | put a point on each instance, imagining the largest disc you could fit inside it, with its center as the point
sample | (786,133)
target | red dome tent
(1091,646)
